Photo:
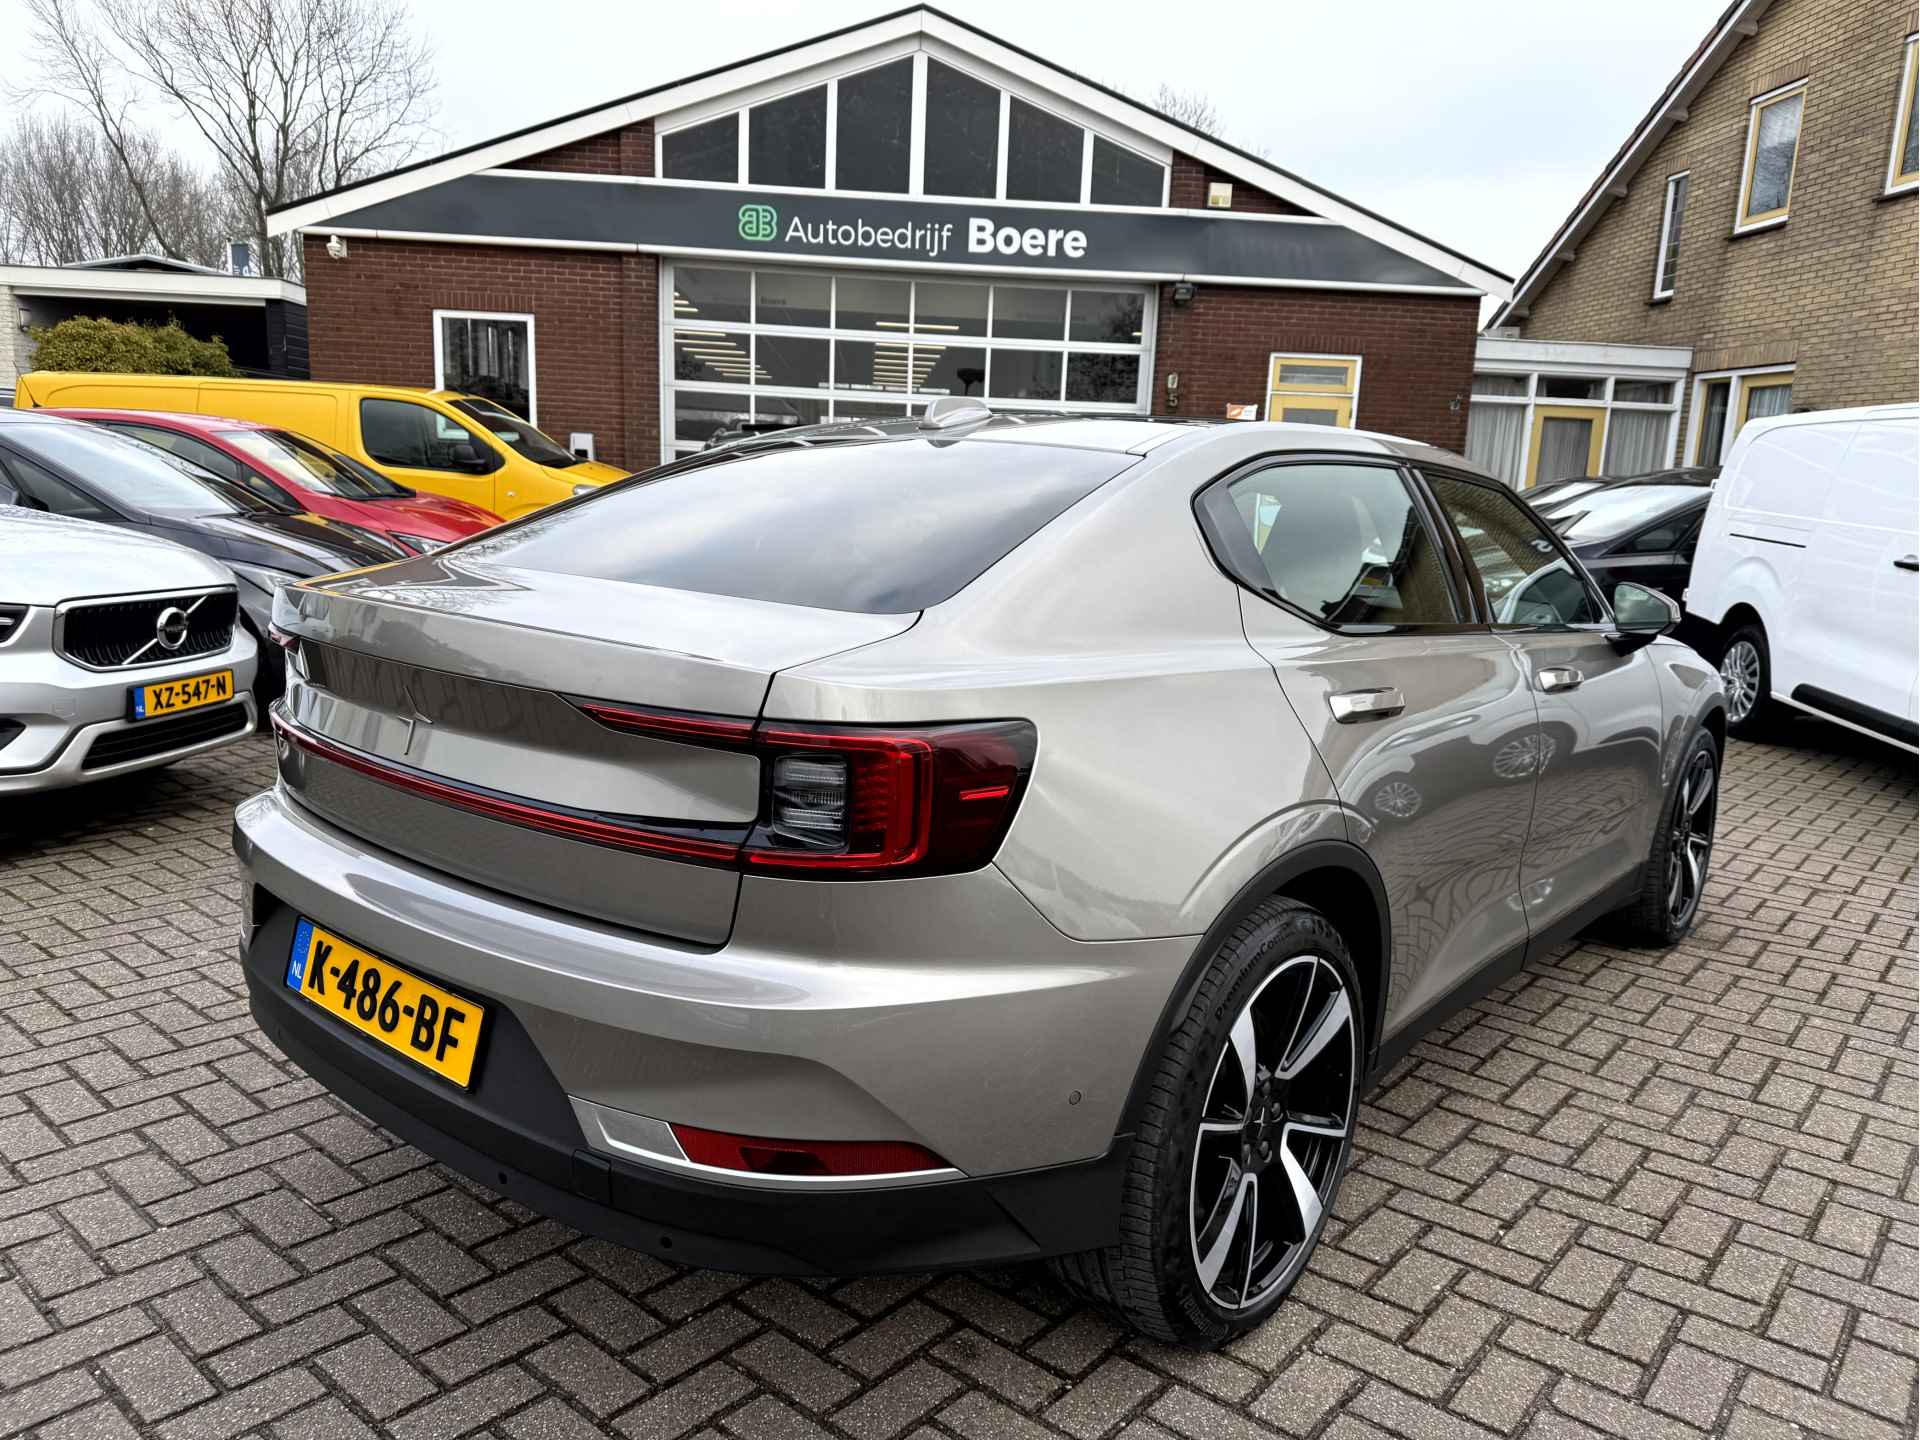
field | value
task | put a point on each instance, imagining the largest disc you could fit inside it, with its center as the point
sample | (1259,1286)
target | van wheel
(1746,670)
(1243,1140)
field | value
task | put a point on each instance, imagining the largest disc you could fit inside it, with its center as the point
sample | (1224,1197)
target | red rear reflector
(759,1156)
(287,642)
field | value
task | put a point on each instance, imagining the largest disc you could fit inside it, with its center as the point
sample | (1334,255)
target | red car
(301,473)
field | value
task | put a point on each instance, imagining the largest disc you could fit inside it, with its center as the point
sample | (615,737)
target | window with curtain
(1773,142)
(1766,400)
(1495,434)
(1565,445)
(1636,441)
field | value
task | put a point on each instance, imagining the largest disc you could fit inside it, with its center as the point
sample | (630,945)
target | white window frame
(1696,413)
(533,369)
(1352,397)
(1742,225)
(1662,277)
(1909,77)
(745,101)
(909,402)
(1606,404)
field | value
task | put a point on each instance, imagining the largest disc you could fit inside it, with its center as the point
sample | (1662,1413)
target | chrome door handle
(1907,562)
(1556,678)
(1351,706)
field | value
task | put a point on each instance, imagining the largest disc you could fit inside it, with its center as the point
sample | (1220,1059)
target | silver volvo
(959,841)
(118,652)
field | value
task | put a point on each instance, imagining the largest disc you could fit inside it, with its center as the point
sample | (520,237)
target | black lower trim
(147,738)
(515,1133)
(1503,967)
(1894,727)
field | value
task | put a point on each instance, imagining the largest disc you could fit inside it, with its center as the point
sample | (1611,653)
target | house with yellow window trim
(1749,250)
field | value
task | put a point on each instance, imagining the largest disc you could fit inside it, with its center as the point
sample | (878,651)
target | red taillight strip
(755,1155)
(908,763)
(615,834)
(684,725)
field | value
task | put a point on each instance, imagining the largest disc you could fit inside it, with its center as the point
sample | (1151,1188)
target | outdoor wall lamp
(1183,292)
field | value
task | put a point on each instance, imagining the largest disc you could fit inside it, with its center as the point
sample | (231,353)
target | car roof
(173,419)
(1128,434)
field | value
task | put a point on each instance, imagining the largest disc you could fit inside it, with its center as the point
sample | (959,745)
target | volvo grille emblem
(170,628)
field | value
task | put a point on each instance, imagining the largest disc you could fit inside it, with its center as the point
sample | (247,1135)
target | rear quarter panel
(1170,770)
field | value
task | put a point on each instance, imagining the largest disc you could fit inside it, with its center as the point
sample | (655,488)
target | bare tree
(291,96)
(65,196)
(1189,107)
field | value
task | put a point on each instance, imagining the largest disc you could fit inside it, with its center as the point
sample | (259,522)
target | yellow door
(424,447)
(1566,443)
(1313,389)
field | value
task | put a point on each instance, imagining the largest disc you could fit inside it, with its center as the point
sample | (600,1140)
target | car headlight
(419,544)
(585,489)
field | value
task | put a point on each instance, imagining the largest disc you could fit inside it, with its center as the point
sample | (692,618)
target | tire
(1746,670)
(1284,967)
(1659,915)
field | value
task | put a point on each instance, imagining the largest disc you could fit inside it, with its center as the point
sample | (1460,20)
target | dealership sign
(952,234)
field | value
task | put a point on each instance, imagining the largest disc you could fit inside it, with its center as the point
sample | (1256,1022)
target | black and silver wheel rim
(1690,844)
(1740,673)
(1274,1126)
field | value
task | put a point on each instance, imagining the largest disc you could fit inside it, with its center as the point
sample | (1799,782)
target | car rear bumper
(808,1024)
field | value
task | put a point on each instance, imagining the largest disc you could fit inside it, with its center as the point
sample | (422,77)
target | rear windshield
(1606,513)
(881,528)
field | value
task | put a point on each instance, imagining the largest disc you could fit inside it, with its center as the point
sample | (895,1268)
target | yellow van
(434,440)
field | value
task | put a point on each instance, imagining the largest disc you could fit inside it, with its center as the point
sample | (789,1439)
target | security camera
(336,248)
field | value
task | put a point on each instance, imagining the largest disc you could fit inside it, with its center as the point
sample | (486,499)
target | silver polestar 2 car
(959,840)
(118,651)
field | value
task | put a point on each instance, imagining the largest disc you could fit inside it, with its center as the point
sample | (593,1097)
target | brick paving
(1631,1195)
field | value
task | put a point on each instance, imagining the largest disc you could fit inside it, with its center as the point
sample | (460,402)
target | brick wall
(1416,352)
(1833,290)
(627,151)
(596,327)
(1187,190)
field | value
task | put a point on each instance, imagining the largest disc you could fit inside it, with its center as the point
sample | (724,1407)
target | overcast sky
(1476,122)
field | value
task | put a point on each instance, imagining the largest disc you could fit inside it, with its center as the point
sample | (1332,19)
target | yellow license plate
(415,1017)
(169,697)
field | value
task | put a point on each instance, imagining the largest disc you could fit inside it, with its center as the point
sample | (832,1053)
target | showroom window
(1666,265)
(1903,170)
(856,133)
(1313,389)
(1773,144)
(486,355)
(754,350)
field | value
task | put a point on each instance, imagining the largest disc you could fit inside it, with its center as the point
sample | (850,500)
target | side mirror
(466,456)
(1641,616)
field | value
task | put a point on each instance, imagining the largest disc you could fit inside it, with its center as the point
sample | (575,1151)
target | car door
(1422,716)
(1599,782)
(418,446)
(1861,584)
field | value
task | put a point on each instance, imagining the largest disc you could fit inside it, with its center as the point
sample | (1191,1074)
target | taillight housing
(816,1159)
(853,802)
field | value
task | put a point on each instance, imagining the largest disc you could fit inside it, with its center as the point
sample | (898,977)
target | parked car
(975,857)
(1808,572)
(67,467)
(434,440)
(1643,529)
(118,652)
(302,474)
(1556,490)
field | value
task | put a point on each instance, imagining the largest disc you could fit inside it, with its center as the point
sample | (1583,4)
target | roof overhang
(1582,357)
(184,288)
(1736,23)
(914,26)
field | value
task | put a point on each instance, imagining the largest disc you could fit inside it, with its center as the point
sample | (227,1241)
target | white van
(1808,571)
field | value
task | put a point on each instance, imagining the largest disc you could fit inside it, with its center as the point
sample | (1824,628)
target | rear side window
(1526,580)
(878,528)
(1344,544)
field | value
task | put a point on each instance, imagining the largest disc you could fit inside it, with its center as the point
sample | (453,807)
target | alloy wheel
(1740,673)
(1690,844)
(1273,1132)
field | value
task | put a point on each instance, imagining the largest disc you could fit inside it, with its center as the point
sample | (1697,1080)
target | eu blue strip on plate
(140,703)
(297,963)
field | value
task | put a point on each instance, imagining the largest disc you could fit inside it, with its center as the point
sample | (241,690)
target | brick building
(858,223)
(1749,250)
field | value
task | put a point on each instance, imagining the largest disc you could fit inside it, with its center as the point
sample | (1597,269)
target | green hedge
(117,346)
